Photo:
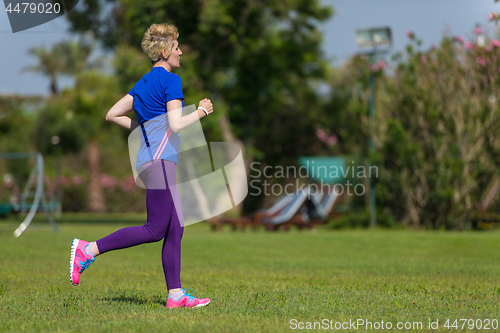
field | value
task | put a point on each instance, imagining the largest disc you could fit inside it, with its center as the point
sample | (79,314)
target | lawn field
(257,281)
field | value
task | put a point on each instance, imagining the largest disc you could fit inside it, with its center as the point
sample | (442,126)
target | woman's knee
(155,234)
(156,237)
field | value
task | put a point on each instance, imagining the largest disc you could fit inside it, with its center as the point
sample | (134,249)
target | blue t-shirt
(151,95)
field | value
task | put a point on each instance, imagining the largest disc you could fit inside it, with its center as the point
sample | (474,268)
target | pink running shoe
(79,261)
(187,301)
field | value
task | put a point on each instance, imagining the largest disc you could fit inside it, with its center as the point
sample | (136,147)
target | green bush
(435,129)
(74,198)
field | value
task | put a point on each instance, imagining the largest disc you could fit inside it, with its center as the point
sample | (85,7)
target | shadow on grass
(137,300)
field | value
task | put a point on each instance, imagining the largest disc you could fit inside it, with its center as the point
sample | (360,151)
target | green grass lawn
(257,281)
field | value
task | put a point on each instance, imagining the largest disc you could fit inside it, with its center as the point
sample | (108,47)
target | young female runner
(157,89)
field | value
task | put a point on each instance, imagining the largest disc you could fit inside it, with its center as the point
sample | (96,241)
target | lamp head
(374,36)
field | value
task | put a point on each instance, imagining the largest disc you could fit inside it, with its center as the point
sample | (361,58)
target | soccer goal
(32,201)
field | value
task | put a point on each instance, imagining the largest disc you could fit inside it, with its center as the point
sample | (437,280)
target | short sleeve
(131,92)
(173,89)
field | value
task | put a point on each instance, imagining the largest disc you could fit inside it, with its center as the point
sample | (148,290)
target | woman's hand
(177,121)
(207,104)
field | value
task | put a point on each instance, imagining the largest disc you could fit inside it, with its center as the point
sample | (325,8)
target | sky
(428,19)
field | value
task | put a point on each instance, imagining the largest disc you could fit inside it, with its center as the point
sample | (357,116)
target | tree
(16,121)
(77,116)
(86,100)
(76,55)
(94,94)
(64,58)
(50,63)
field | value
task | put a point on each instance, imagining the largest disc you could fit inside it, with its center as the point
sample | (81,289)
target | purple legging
(162,222)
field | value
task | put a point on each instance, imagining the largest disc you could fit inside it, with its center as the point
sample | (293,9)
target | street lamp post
(373,38)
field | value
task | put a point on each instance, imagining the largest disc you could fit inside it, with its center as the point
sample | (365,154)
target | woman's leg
(159,209)
(171,258)
(171,253)
(159,204)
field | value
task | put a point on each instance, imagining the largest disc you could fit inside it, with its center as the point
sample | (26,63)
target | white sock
(89,251)
(176,295)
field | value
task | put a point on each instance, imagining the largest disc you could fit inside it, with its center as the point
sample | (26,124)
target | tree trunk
(229,136)
(53,86)
(492,193)
(95,201)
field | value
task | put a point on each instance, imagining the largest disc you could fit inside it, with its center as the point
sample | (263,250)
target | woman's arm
(117,114)
(177,121)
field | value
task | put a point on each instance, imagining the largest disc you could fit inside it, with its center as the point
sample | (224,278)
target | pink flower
(491,17)
(381,64)
(410,34)
(495,42)
(458,39)
(423,59)
(374,68)
(481,61)
(478,31)
(108,182)
(468,45)
(488,48)
(77,180)
(332,140)
(65,181)
(321,135)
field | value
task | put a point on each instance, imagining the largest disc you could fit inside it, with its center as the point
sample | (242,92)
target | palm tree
(93,96)
(76,56)
(50,63)
(64,58)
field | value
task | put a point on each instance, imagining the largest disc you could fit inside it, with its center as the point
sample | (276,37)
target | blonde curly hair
(157,38)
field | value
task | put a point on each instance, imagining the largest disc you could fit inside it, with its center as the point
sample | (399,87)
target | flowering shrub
(121,194)
(379,66)
(494,17)
(330,140)
(435,131)
(437,134)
